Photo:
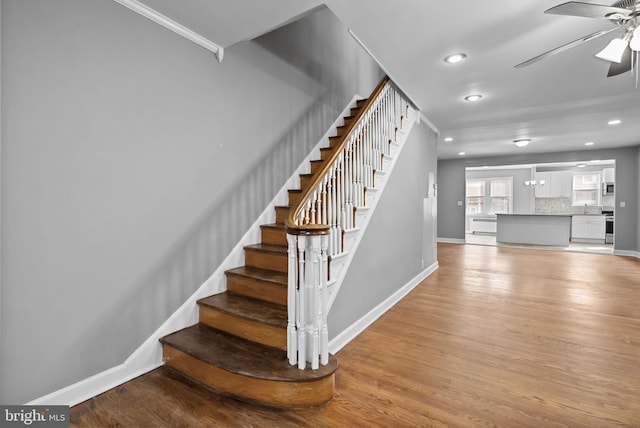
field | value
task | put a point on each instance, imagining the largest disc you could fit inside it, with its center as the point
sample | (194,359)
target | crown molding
(172,25)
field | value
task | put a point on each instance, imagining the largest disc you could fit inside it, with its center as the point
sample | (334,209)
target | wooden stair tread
(248,308)
(268,248)
(277,278)
(242,357)
(278,226)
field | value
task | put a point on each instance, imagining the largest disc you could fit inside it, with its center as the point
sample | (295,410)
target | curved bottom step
(244,370)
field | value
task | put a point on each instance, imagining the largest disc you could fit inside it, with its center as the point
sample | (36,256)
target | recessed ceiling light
(448,139)
(590,143)
(522,142)
(615,122)
(455,58)
(461,154)
(473,98)
(595,161)
(581,165)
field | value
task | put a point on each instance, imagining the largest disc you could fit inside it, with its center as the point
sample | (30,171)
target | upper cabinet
(557,184)
(609,175)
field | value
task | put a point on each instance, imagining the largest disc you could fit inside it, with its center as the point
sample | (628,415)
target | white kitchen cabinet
(557,184)
(609,175)
(561,184)
(588,228)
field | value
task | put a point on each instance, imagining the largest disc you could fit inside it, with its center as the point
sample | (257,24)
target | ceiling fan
(621,52)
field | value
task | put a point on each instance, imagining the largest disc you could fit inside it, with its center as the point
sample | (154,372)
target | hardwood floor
(495,337)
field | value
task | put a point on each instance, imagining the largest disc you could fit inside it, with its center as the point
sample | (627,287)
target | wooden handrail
(323,229)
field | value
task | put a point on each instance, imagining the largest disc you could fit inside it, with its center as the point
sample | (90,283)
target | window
(475,197)
(489,196)
(586,189)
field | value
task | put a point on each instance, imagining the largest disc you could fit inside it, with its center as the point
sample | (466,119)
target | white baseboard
(351,332)
(451,241)
(148,356)
(627,253)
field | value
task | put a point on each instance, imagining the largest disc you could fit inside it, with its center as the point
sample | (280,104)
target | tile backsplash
(563,206)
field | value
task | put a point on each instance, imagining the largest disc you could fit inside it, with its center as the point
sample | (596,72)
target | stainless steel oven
(607,188)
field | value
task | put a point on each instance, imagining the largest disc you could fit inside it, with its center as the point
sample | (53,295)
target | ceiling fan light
(635,40)
(613,51)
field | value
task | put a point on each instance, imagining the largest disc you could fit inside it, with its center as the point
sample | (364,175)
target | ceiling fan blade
(565,47)
(588,10)
(625,65)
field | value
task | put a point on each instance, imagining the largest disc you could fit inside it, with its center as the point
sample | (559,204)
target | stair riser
(315,166)
(294,197)
(266,392)
(274,236)
(325,153)
(305,180)
(281,214)
(262,260)
(251,330)
(257,289)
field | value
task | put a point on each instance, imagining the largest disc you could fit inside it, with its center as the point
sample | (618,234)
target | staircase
(239,346)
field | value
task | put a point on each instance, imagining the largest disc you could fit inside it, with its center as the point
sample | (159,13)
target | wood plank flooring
(496,337)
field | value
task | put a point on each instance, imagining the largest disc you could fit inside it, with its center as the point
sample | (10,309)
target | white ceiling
(560,102)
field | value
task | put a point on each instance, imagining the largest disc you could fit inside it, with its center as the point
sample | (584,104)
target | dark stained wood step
(266,256)
(252,319)
(316,165)
(274,234)
(246,370)
(247,307)
(263,284)
(325,152)
(294,196)
(305,179)
(341,130)
(241,356)
(282,211)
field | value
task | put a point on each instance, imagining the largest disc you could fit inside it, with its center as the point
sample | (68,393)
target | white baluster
(292,305)
(324,296)
(313,298)
(301,304)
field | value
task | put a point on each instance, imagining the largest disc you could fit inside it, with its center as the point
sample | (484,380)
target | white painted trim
(172,25)
(451,241)
(92,386)
(149,355)
(627,253)
(351,332)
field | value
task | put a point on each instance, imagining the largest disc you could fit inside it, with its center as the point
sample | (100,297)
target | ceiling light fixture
(473,98)
(614,50)
(455,58)
(635,40)
(448,139)
(589,143)
(461,154)
(615,122)
(581,165)
(522,142)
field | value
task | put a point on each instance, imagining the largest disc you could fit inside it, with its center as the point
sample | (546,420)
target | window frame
(487,196)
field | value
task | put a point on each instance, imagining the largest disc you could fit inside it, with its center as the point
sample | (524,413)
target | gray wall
(390,256)
(451,175)
(132,162)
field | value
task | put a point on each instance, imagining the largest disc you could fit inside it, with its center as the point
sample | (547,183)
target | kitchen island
(534,229)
